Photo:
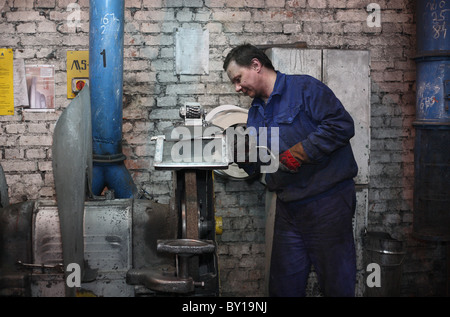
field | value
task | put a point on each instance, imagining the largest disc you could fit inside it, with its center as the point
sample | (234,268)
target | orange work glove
(292,159)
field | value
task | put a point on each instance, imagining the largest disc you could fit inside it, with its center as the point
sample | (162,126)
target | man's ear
(256,65)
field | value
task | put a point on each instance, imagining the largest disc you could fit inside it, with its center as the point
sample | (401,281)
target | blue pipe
(106,33)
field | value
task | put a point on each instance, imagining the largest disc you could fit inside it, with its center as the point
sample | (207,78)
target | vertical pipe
(106,33)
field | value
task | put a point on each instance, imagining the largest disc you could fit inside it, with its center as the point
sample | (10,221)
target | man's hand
(292,159)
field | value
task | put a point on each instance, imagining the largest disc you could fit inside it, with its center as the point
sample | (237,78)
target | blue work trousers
(317,233)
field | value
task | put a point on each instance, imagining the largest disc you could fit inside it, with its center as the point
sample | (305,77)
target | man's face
(245,79)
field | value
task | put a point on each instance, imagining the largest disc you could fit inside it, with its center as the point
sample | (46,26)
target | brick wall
(37,30)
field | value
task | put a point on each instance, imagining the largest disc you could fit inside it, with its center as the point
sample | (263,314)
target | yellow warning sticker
(77,72)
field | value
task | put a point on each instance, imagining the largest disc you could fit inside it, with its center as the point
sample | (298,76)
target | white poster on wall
(41,87)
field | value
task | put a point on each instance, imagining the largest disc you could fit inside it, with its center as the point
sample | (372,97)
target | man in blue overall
(314,182)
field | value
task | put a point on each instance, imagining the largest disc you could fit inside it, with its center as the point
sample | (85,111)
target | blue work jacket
(305,110)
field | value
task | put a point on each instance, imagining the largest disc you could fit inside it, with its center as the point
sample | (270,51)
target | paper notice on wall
(41,87)
(6,82)
(20,84)
(192,52)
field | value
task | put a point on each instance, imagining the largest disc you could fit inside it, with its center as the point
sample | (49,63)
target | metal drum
(432,153)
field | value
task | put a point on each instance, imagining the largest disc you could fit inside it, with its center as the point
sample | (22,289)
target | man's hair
(244,54)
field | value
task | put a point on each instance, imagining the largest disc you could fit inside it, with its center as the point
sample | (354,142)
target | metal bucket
(388,253)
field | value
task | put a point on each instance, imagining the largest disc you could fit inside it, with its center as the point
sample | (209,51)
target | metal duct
(106,32)
(432,151)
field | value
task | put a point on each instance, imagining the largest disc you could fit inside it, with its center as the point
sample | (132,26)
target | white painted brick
(29,27)
(148,27)
(202,16)
(45,166)
(152,3)
(24,4)
(9,41)
(38,140)
(257,3)
(254,27)
(37,128)
(184,15)
(215,3)
(160,15)
(290,28)
(272,16)
(18,166)
(46,27)
(193,3)
(15,128)
(232,16)
(7,28)
(167,101)
(317,4)
(169,27)
(14,153)
(36,154)
(164,114)
(174,3)
(134,3)
(185,89)
(273,27)
(24,16)
(45,4)
(233,27)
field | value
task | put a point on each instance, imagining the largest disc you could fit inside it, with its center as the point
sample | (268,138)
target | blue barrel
(433,89)
(106,32)
(431,152)
(432,24)
(433,61)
